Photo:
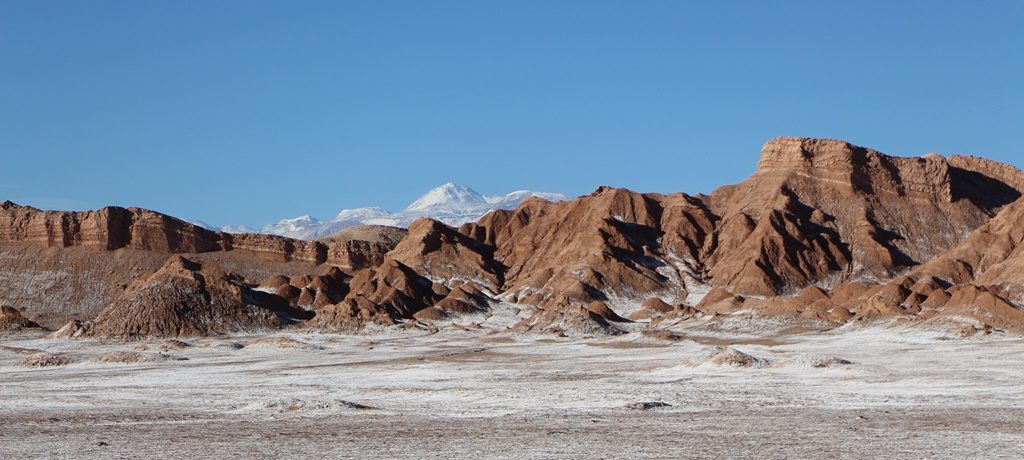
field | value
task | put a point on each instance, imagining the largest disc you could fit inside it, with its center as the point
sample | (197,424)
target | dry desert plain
(731,392)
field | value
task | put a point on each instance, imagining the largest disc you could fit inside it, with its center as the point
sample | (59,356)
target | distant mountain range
(450,203)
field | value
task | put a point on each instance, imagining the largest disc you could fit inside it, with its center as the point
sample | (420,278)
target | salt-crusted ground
(848,393)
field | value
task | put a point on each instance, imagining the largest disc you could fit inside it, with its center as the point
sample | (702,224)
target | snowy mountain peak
(303,219)
(360,213)
(449,203)
(448,194)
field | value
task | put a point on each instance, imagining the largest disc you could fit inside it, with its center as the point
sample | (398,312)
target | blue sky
(247,112)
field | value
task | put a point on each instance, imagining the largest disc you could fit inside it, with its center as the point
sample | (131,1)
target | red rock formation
(819,209)
(440,252)
(568,320)
(993,254)
(816,213)
(60,266)
(309,291)
(383,234)
(461,300)
(604,245)
(380,296)
(823,230)
(987,307)
(109,228)
(12,320)
(186,298)
(114,228)
(403,286)
(979,281)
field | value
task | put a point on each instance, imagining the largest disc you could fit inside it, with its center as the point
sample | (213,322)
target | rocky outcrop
(380,296)
(462,300)
(605,246)
(442,254)
(993,254)
(370,233)
(822,211)
(108,228)
(113,228)
(12,320)
(823,230)
(816,212)
(434,274)
(362,246)
(59,266)
(818,221)
(977,284)
(309,292)
(185,298)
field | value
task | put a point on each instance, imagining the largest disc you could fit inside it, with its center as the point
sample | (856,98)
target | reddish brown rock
(185,298)
(63,265)
(991,255)
(936,299)
(113,228)
(440,252)
(321,299)
(983,307)
(383,234)
(655,304)
(306,297)
(820,208)
(889,237)
(12,320)
(275,281)
(816,211)
(382,296)
(849,291)
(432,314)
(651,307)
(460,300)
(596,247)
(301,281)
(601,309)
(289,293)
(719,300)
(567,320)
(811,302)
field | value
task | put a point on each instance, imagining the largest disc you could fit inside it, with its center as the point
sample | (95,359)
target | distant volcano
(450,203)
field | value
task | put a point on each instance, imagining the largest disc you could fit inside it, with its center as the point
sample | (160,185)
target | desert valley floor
(851,392)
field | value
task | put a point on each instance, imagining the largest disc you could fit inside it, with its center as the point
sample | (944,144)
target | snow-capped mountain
(448,196)
(449,203)
(292,226)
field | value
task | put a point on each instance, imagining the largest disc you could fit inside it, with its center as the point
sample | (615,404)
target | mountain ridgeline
(450,203)
(823,233)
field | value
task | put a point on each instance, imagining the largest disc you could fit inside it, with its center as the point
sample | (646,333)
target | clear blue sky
(246,112)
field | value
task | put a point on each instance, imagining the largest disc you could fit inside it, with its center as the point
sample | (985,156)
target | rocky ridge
(450,203)
(113,228)
(813,233)
(823,232)
(58,266)
(185,298)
